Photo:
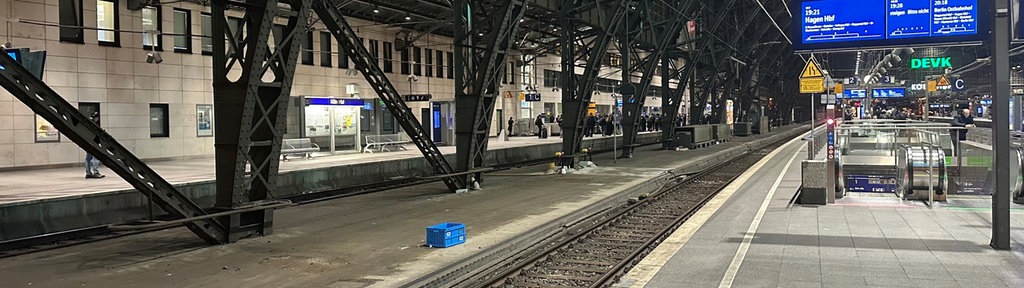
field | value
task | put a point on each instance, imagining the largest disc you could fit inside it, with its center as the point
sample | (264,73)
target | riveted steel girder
(665,36)
(94,140)
(478,66)
(331,17)
(577,90)
(251,86)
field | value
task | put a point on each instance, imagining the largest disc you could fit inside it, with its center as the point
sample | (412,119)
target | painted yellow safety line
(737,260)
(644,271)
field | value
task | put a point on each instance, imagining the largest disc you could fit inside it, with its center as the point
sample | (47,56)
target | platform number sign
(831,134)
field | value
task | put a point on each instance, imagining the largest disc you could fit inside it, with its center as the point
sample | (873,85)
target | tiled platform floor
(859,242)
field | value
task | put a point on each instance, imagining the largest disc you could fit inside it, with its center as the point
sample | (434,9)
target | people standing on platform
(657,122)
(511,122)
(588,129)
(540,125)
(962,120)
(92,165)
(609,128)
(560,128)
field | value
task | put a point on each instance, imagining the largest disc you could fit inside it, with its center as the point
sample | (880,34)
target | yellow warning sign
(931,86)
(811,70)
(839,88)
(508,94)
(943,81)
(812,85)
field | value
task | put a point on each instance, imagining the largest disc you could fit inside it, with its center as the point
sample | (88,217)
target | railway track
(598,255)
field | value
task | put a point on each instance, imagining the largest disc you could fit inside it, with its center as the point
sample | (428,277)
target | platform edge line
(741,253)
(643,272)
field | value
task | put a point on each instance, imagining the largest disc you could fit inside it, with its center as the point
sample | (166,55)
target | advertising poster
(204,120)
(45,132)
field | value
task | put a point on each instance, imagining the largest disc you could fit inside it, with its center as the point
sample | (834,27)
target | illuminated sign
(928,63)
(334,102)
(532,97)
(889,92)
(897,92)
(840,24)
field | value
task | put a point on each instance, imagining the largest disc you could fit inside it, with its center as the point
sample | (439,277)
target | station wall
(118,79)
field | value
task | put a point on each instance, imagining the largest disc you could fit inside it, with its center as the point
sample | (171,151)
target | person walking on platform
(92,166)
(962,120)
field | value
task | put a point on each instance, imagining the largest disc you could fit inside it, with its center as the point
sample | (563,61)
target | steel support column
(665,35)
(1001,126)
(576,90)
(94,140)
(251,86)
(332,17)
(478,66)
(671,102)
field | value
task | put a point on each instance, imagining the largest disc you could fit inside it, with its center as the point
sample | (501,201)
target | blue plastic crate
(446,234)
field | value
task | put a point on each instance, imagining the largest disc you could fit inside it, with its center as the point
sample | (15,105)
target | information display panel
(844,24)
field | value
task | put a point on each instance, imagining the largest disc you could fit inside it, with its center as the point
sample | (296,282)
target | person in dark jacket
(962,120)
(540,125)
(511,122)
(588,130)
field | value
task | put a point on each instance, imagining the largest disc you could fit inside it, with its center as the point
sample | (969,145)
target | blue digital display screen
(855,94)
(842,24)
(876,93)
(334,102)
(889,92)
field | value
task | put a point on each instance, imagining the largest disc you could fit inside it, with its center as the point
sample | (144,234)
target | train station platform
(751,235)
(376,239)
(24,184)
(36,202)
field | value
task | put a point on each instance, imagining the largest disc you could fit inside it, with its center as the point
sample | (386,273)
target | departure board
(836,24)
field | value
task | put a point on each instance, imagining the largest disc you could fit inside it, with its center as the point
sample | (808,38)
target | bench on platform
(298,146)
(384,141)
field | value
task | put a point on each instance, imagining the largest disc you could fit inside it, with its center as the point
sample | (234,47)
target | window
(388,57)
(325,49)
(551,78)
(375,51)
(429,63)
(87,108)
(159,126)
(342,58)
(440,63)
(512,72)
(207,26)
(182,30)
(71,15)
(417,66)
(307,49)
(151,22)
(451,65)
(504,75)
(107,23)
(405,60)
